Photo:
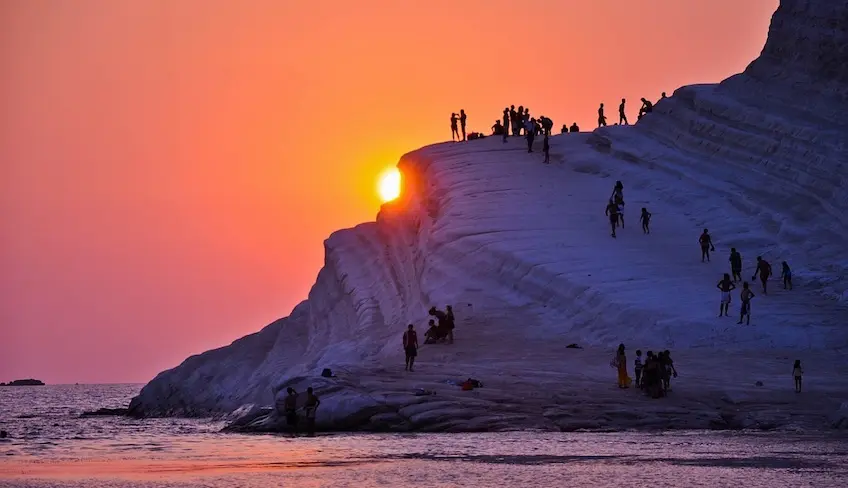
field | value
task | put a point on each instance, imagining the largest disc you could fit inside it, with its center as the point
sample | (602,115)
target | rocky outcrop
(27,382)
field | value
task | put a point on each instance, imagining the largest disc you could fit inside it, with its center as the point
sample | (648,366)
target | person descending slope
(612,212)
(618,198)
(745,295)
(505,124)
(786,274)
(462,119)
(622,118)
(764,270)
(454,128)
(726,286)
(602,120)
(410,346)
(645,218)
(706,245)
(735,265)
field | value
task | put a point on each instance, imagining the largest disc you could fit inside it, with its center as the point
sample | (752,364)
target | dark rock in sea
(105,412)
(27,382)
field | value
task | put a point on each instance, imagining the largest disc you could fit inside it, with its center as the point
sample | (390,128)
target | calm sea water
(51,445)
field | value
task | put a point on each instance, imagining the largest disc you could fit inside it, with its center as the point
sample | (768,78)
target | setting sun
(388,186)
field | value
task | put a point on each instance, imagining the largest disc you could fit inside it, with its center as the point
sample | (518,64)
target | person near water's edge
(797,373)
(454,128)
(786,274)
(645,218)
(291,410)
(745,296)
(462,119)
(706,245)
(735,265)
(725,286)
(410,346)
(312,403)
(612,212)
(764,270)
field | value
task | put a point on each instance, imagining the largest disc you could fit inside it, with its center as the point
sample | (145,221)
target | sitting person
(432,334)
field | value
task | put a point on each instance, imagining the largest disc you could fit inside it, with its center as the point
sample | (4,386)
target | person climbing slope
(618,198)
(645,218)
(735,265)
(764,270)
(786,274)
(745,295)
(612,212)
(410,347)
(706,245)
(725,286)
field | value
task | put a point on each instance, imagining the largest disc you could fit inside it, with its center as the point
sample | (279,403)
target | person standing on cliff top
(506,124)
(462,119)
(602,119)
(454,128)
(622,118)
(410,346)
(530,134)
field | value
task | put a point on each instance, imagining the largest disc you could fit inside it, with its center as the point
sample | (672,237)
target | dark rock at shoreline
(27,382)
(105,412)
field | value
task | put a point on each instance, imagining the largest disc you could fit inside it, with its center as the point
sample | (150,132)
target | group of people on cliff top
(653,376)
(441,332)
(646,108)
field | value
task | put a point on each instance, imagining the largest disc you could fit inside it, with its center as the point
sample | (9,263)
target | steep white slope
(522,250)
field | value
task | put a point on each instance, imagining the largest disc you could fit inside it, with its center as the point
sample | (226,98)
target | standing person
(645,218)
(546,147)
(637,368)
(410,346)
(506,124)
(797,372)
(530,133)
(618,198)
(462,119)
(786,274)
(622,119)
(520,120)
(735,264)
(764,270)
(291,410)
(602,120)
(745,295)
(312,403)
(454,128)
(612,212)
(706,245)
(513,118)
(451,322)
(620,362)
(669,370)
(726,286)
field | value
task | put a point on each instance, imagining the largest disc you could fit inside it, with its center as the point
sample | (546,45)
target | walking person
(735,265)
(622,118)
(602,119)
(612,212)
(410,346)
(645,218)
(725,286)
(786,274)
(764,270)
(797,373)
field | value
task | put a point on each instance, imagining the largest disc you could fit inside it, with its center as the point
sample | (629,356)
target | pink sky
(169,169)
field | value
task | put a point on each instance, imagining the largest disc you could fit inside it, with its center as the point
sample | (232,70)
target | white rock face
(522,251)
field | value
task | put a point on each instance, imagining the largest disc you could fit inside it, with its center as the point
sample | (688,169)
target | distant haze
(169,169)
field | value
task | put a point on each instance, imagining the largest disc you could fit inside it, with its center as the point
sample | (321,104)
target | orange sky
(169,169)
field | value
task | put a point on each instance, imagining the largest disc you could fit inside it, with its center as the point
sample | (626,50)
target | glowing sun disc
(388,186)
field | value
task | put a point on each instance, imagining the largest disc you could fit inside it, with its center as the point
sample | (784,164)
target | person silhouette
(505,124)
(647,107)
(622,118)
(454,128)
(519,121)
(513,118)
(662,95)
(530,133)
(602,120)
(574,128)
(462,118)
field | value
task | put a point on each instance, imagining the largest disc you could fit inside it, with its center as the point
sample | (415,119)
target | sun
(388,186)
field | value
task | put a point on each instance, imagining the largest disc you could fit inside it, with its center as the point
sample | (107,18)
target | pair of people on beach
(726,285)
(309,408)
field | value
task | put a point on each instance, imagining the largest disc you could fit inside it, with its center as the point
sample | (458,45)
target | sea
(50,445)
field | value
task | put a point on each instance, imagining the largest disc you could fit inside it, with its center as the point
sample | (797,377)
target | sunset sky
(170,168)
